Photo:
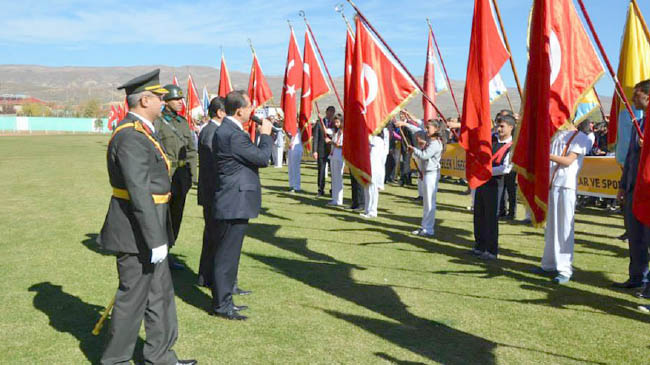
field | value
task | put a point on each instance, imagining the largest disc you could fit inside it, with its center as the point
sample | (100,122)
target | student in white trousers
(428,154)
(294,159)
(278,146)
(377,167)
(336,161)
(568,149)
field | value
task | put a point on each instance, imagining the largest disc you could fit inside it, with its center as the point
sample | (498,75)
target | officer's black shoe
(186,362)
(240,291)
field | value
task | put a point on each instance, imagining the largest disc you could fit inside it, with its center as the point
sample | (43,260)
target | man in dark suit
(321,149)
(138,230)
(238,196)
(207,186)
(638,233)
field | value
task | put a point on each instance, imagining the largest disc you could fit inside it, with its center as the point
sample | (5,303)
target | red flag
(349,53)
(224,79)
(563,66)
(258,91)
(314,86)
(378,90)
(641,198)
(292,79)
(183,110)
(193,102)
(487,54)
(112,117)
(429,82)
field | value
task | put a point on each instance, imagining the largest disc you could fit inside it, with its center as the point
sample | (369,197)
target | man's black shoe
(628,284)
(186,362)
(231,315)
(353,207)
(240,291)
(239,308)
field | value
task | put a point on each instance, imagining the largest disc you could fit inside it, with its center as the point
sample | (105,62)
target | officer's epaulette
(138,126)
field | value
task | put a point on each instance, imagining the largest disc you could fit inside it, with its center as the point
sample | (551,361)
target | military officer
(138,230)
(177,140)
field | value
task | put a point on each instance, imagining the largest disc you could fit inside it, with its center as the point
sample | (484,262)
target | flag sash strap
(564,154)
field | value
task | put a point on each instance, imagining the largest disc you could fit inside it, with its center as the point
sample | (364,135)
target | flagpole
(617,84)
(509,101)
(444,68)
(600,105)
(338,98)
(641,19)
(505,40)
(413,79)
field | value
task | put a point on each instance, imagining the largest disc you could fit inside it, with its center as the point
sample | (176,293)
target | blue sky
(184,32)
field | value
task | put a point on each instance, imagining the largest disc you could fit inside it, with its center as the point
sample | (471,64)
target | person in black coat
(207,186)
(321,147)
(238,196)
(638,233)
(138,230)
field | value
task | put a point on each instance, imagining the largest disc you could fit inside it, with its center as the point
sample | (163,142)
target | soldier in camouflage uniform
(176,138)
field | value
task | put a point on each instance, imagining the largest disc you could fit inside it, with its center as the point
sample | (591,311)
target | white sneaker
(417,231)
(487,256)
(368,216)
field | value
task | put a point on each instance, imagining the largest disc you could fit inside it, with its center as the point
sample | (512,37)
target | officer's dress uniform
(138,221)
(176,138)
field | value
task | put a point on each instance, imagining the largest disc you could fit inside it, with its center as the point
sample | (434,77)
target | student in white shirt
(428,153)
(336,161)
(568,149)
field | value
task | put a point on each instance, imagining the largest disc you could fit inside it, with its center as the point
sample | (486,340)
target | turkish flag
(292,78)
(487,54)
(113,117)
(349,53)
(224,79)
(429,82)
(258,91)
(194,106)
(563,66)
(183,110)
(314,87)
(378,90)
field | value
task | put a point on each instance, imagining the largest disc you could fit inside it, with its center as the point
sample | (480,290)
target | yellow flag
(633,67)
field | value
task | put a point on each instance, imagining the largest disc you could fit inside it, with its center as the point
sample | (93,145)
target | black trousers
(405,168)
(638,238)
(208,250)
(390,167)
(230,235)
(509,188)
(146,292)
(358,199)
(181,184)
(322,161)
(486,219)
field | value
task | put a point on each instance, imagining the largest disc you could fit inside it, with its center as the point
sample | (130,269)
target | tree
(91,109)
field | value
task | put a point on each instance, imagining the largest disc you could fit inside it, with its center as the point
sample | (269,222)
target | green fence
(47,124)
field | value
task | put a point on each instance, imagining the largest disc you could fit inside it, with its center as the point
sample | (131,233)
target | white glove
(158,254)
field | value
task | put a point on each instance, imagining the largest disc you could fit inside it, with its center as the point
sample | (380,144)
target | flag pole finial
(429,22)
(289,21)
(250,43)
(339,8)
(301,14)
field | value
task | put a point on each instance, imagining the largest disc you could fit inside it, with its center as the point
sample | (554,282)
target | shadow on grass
(69,314)
(91,243)
(187,289)
(430,339)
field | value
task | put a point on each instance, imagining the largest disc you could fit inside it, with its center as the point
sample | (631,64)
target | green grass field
(329,287)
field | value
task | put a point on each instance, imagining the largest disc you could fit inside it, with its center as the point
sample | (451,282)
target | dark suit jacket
(631,166)
(318,140)
(239,193)
(207,165)
(136,225)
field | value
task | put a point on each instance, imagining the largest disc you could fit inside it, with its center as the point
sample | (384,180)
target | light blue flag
(206,101)
(624,132)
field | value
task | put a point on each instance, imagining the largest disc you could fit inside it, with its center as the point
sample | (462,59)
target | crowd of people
(154,157)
